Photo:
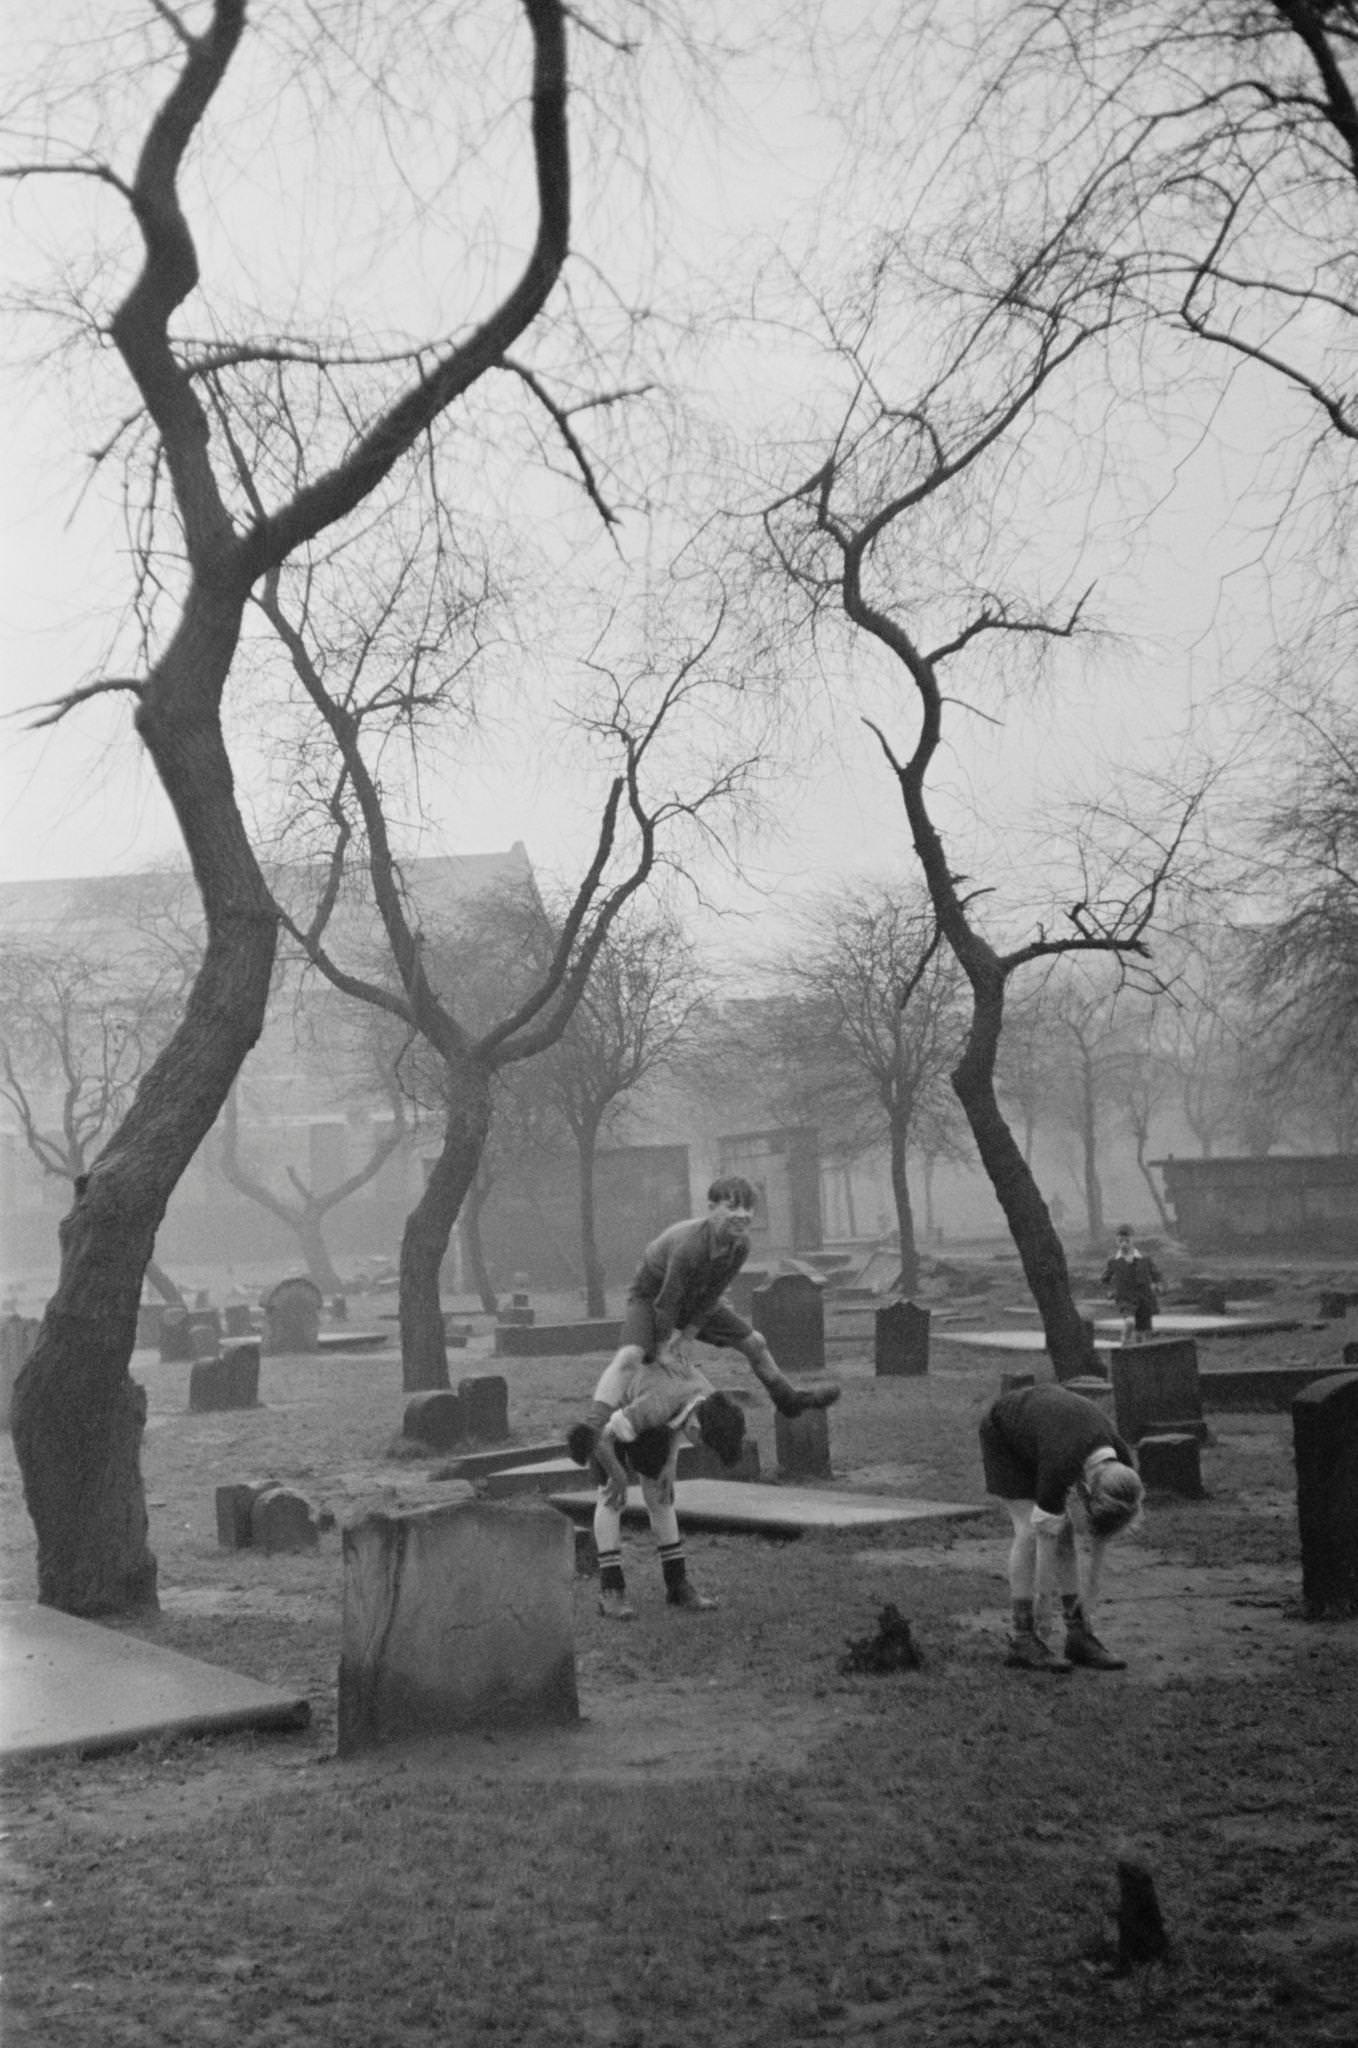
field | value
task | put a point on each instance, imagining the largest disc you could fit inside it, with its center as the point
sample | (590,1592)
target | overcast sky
(79,797)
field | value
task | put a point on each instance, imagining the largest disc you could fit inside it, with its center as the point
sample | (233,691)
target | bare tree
(78,1416)
(631,836)
(855,537)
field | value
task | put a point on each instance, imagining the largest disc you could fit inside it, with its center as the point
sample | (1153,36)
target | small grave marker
(293,1315)
(901,1339)
(802,1443)
(790,1314)
(230,1380)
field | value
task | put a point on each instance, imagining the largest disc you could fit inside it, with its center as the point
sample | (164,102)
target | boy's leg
(613,1602)
(787,1398)
(658,1495)
(1027,1650)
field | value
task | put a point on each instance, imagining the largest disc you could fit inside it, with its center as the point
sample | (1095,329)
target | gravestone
(1351,1354)
(18,1335)
(236,1319)
(790,1314)
(901,1339)
(235,1505)
(176,1344)
(229,1380)
(1012,1382)
(456,1617)
(485,1408)
(802,1444)
(1333,1307)
(292,1311)
(1325,1446)
(339,1309)
(1156,1388)
(281,1520)
(203,1341)
(1171,1463)
(434,1418)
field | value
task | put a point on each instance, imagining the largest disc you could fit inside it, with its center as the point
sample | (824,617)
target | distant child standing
(1131,1278)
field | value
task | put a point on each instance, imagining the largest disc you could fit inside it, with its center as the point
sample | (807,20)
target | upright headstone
(802,1444)
(293,1316)
(1333,1307)
(1171,1463)
(901,1339)
(176,1345)
(456,1617)
(1156,1387)
(790,1314)
(236,1319)
(485,1408)
(434,1418)
(282,1520)
(1325,1445)
(203,1341)
(228,1380)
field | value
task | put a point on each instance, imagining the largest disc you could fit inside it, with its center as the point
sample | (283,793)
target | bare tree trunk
(315,1251)
(475,1249)
(429,1226)
(1166,1222)
(164,1285)
(1070,1342)
(78,1415)
(596,1300)
(905,1214)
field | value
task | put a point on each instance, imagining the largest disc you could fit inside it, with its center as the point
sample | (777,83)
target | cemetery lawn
(739,1846)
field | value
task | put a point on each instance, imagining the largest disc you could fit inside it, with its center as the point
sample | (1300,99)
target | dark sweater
(683,1274)
(1051,1432)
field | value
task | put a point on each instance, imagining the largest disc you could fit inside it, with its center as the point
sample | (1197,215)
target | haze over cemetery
(678,1004)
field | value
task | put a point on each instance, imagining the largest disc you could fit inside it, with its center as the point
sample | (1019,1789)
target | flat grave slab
(775,1510)
(1108,1332)
(352,1340)
(72,1685)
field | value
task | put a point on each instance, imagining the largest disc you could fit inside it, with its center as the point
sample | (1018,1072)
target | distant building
(1276,1202)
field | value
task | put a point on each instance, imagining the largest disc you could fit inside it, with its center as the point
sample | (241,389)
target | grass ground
(739,1845)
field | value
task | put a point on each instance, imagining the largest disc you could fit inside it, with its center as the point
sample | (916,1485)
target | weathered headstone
(456,1617)
(339,1309)
(485,1408)
(901,1339)
(281,1520)
(1325,1445)
(18,1335)
(176,1345)
(235,1505)
(230,1380)
(236,1319)
(802,1444)
(790,1314)
(203,1341)
(1171,1463)
(293,1316)
(1156,1388)
(434,1418)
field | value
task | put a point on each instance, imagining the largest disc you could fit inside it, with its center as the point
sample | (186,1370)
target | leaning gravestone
(901,1339)
(790,1314)
(1325,1445)
(1156,1387)
(292,1311)
(484,1403)
(229,1380)
(456,1617)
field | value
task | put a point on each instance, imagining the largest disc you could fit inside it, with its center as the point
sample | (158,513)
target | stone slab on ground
(775,1510)
(556,1340)
(69,1685)
(352,1340)
(1108,1331)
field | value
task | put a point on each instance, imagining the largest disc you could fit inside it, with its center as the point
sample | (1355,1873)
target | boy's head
(1125,1237)
(1114,1498)
(721,1424)
(730,1202)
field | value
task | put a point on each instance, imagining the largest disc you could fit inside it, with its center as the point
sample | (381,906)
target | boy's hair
(733,1187)
(580,1441)
(1115,1497)
(721,1423)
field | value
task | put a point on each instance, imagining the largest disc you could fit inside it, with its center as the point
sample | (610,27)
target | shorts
(1006,1473)
(722,1327)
